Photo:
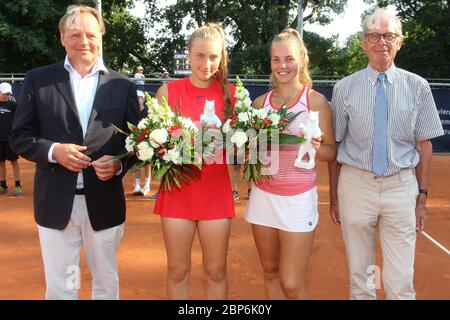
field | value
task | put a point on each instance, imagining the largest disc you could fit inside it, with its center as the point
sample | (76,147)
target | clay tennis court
(142,261)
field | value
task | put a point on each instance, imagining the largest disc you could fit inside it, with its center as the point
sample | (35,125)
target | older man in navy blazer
(64,123)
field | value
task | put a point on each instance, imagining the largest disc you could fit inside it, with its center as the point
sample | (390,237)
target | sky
(344,25)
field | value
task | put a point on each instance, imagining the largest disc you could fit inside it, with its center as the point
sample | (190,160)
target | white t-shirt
(139,78)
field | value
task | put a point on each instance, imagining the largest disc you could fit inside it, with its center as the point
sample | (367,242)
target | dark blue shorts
(6,152)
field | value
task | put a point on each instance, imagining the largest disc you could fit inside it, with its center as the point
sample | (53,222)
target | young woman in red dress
(205,205)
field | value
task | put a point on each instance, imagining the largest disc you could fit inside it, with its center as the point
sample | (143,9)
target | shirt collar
(98,66)
(372,74)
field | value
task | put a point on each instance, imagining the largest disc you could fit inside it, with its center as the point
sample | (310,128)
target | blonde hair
(291,35)
(214,32)
(73,11)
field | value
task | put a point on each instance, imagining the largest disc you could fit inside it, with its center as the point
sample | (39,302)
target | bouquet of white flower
(253,130)
(166,141)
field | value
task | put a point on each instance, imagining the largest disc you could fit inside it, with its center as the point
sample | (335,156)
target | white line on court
(435,242)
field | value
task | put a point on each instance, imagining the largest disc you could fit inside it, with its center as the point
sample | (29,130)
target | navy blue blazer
(47,113)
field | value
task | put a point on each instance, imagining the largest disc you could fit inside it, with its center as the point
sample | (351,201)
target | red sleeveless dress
(210,196)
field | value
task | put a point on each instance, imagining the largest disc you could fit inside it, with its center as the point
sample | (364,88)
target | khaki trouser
(365,203)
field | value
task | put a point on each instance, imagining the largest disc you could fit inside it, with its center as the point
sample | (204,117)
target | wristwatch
(424,191)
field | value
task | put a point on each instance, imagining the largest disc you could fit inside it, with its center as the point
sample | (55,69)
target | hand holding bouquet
(254,130)
(166,141)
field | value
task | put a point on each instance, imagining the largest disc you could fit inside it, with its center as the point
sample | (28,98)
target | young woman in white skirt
(284,210)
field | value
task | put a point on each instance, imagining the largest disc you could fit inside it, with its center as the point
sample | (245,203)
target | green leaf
(285,138)
(130,126)
(177,182)
(137,166)
(123,155)
(159,173)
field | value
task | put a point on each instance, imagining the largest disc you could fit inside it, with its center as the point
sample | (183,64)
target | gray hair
(73,11)
(373,19)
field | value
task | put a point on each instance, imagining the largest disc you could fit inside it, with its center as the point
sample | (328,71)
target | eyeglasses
(375,37)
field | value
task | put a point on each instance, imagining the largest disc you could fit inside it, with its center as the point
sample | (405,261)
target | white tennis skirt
(296,213)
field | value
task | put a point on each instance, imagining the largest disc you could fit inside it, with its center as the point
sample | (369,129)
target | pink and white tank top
(288,179)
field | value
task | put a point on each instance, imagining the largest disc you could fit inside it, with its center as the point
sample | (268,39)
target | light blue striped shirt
(412,117)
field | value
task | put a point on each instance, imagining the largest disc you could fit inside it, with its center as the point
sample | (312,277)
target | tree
(124,43)
(426,27)
(29,34)
(350,58)
(250,25)
(322,54)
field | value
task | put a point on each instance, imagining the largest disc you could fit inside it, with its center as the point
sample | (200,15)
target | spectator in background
(138,191)
(165,76)
(139,76)
(235,170)
(7,111)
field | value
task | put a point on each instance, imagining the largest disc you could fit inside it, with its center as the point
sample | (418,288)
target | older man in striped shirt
(384,118)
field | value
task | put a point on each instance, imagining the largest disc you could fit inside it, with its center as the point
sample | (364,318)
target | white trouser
(388,204)
(61,256)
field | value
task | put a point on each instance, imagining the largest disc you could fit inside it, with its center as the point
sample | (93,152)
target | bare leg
(137,183)
(16,170)
(2,170)
(137,175)
(268,244)
(295,250)
(147,181)
(235,171)
(147,171)
(178,237)
(214,236)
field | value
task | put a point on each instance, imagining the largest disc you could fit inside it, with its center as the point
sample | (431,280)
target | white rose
(226,126)
(158,137)
(142,124)
(239,138)
(172,156)
(145,152)
(129,144)
(262,113)
(275,118)
(243,117)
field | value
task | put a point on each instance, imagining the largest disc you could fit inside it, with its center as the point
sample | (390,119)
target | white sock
(147,182)
(137,182)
